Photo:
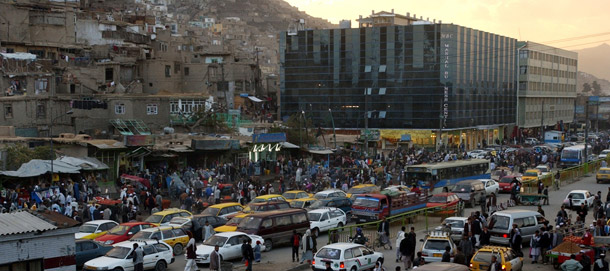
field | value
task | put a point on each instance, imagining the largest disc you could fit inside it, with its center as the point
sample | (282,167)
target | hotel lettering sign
(446,38)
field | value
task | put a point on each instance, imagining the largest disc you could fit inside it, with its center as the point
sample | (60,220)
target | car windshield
(530,174)
(543,169)
(118,252)
(154,219)
(483,256)
(314,216)
(438,199)
(210,211)
(462,188)
(250,223)
(604,172)
(506,180)
(329,253)
(436,244)
(178,220)
(455,223)
(234,221)
(142,235)
(256,200)
(215,240)
(290,195)
(87,228)
(499,222)
(361,190)
(366,202)
(320,196)
(119,230)
(577,195)
(317,204)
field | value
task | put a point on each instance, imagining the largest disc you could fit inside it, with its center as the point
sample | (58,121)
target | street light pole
(70,112)
(333,122)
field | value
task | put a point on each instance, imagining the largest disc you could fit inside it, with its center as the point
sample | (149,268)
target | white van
(500,224)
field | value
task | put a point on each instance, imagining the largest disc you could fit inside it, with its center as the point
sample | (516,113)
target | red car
(123,232)
(505,183)
(444,198)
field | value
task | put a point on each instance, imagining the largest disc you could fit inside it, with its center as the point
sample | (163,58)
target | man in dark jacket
(249,256)
(585,261)
(485,238)
(384,228)
(405,251)
(516,240)
(447,255)
(191,255)
(494,265)
(460,258)
(601,264)
(466,246)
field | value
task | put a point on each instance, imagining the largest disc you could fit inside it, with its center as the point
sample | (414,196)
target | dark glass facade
(416,76)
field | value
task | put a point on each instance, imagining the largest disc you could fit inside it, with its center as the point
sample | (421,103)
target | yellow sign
(55,177)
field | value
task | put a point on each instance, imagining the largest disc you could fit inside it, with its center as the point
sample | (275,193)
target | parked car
(491,187)
(324,219)
(275,226)
(163,217)
(505,255)
(451,200)
(342,203)
(330,193)
(457,226)
(531,175)
(176,237)
(434,246)
(500,224)
(531,141)
(93,229)
(346,256)
(544,169)
(229,246)
(223,209)
(87,250)
(123,232)
(266,198)
(470,191)
(302,203)
(442,266)
(506,183)
(296,194)
(266,206)
(157,256)
(231,225)
(215,221)
(477,154)
(578,197)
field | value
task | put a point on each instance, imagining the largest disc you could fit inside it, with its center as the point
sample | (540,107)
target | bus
(436,176)
(574,155)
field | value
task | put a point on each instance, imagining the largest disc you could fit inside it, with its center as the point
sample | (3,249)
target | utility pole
(542,123)
(586,131)
(333,122)
(597,117)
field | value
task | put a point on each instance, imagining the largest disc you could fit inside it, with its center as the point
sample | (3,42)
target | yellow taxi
(175,236)
(302,203)
(94,229)
(531,175)
(270,197)
(362,189)
(223,209)
(296,194)
(505,255)
(231,225)
(162,218)
(603,175)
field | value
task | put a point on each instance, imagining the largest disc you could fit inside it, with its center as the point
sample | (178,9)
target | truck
(373,207)
(575,155)
(554,137)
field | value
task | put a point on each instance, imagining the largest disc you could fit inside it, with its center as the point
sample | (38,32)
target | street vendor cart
(531,199)
(570,245)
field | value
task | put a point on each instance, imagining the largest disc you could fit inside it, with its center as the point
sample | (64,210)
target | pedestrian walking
(208,231)
(215,259)
(399,237)
(601,264)
(295,242)
(138,258)
(191,255)
(257,252)
(384,233)
(535,247)
(307,247)
(249,255)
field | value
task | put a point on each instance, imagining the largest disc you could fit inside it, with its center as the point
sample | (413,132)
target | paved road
(280,258)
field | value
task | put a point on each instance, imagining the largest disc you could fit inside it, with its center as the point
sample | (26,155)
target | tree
(586,88)
(295,130)
(19,154)
(597,89)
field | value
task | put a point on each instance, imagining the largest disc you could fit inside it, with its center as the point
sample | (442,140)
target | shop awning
(139,152)
(321,151)
(86,163)
(288,145)
(141,180)
(254,99)
(38,167)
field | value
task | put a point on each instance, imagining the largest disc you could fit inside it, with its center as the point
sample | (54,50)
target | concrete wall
(48,245)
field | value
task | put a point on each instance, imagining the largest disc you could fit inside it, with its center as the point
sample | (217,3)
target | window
(522,69)
(267,223)
(187,71)
(178,232)
(168,71)
(348,254)
(168,234)
(119,109)
(283,220)
(151,109)
(299,218)
(88,246)
(149,250)
(523,54)
(161,247)
(176,68)
(41,111)
(109,74)
(8,111)
(41,85)
(356,252)
(156,236)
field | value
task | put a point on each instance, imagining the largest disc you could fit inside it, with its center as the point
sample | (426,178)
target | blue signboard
(406,137)
(269,138)
(593,98)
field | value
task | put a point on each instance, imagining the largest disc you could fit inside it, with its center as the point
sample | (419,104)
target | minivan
(501,223)
(470,191)
(275,226)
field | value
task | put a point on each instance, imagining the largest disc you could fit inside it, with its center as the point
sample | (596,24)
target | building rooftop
(23,222)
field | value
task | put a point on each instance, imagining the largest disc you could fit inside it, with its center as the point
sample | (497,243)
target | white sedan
(229,246)
(324,219)
(491,186)
(346,256)
(579,197)
(157,255)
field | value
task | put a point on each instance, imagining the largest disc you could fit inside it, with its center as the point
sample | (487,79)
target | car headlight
(205,256)
(109,242)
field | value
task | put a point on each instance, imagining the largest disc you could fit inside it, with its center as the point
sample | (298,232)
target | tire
(353,268)
(268,245)
(160,266)
(339,225)
(178,249)
(117,269)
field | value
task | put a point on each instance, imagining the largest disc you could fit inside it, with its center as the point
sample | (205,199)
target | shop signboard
(139,140)
(215,145)
(269,138)
(372,135)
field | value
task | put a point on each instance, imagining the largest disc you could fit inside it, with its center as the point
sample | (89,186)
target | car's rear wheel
(160,266)
(268,245)
(117,269)
(339,225)
(353,268)
(178,249)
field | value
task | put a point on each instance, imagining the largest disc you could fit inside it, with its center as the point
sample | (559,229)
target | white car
(434,246)
(531,141)
(345,256)
(477,154)
(457,226)
(95,228)
(324,219)
(579,197)
(330,193)
(544,169)
(157,255)
(491,187)
(184,222)
(229,246)
(603,154)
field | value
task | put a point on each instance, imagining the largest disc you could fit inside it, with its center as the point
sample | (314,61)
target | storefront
(265,147)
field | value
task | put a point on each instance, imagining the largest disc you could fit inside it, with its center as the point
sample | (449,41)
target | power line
(579,37)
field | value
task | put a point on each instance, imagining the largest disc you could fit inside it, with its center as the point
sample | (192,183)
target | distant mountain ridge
(595,61)
(584,77)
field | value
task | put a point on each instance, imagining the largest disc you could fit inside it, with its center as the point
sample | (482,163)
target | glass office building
(423,76)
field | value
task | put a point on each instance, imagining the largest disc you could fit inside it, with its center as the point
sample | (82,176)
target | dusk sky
(535,20)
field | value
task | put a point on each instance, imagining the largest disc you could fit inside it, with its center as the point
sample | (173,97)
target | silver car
(434,246)
(457,226)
